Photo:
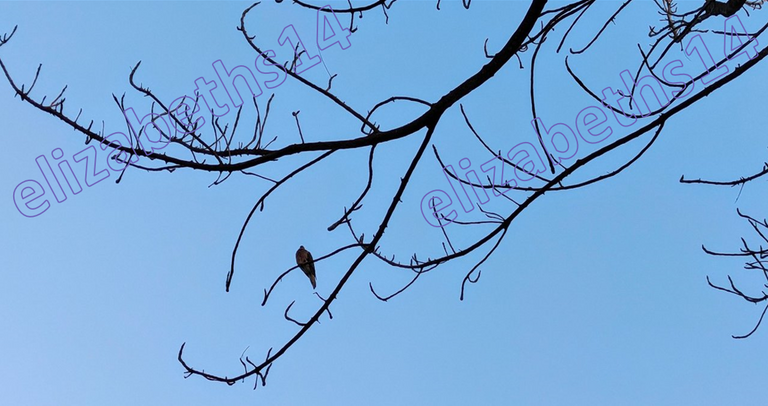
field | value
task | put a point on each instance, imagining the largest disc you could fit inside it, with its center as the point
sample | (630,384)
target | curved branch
(260,202)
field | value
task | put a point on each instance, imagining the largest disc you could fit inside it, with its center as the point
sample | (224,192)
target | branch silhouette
(223,151)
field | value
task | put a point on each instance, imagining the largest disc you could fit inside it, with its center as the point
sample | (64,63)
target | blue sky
(597,295)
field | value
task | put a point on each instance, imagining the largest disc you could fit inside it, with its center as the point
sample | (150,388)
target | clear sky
(598,296)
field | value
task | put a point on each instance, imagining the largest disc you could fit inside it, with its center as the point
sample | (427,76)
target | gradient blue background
(597,296)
